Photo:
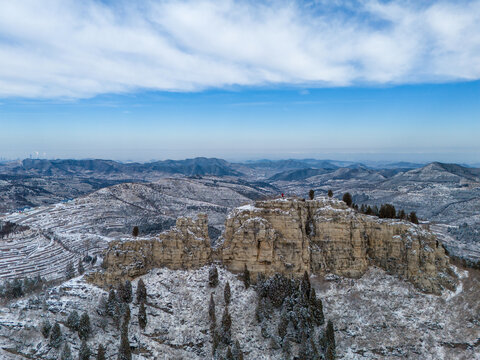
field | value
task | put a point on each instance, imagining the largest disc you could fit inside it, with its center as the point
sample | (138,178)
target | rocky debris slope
(291,236)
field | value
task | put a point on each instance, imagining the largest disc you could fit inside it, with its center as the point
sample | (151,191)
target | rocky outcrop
(186,246)
(325,236)
(292,236)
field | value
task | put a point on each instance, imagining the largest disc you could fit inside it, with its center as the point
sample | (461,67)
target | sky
(347,80)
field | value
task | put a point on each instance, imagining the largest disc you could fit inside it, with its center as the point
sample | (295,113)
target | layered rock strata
(292,236)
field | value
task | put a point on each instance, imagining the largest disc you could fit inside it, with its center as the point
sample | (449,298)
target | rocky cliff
(293,236)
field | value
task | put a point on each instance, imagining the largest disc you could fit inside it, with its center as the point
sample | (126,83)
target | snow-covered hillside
(375,317)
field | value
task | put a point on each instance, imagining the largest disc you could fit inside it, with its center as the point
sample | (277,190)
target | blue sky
(240,80)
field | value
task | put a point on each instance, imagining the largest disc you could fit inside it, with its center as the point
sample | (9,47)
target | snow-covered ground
(375,317)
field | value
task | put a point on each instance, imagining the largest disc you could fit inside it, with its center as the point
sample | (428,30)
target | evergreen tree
(330,354)
(211,313)
(311,194)
(246,277)
(387,211)
(305,286)
(84,328)
(66,353)
(213,276)
(124,352)
(317,308)
(69,271)
(330,334)
(100,352)
(135,231)
(46,326)
(401,215)
(81,269)
(226,327)
(227,294)
(84,352)
(237,351)
(141,292)
(127,295)
(229,355)
(369,211)
(413,217)
(142,316)
(112,303)
(73,320)
(56,336)
(347,198)
(126,313)
(330,193)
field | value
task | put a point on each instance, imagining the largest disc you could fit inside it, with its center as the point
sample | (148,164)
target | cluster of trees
(13,289)
(70,270)
(301,312)
(9,227)
(76,323)
(386,211)
(311,194)
(223,346)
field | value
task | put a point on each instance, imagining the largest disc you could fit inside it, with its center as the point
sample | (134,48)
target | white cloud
(61,48)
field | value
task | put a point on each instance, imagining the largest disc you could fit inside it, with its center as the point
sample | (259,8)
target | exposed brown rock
(292,236)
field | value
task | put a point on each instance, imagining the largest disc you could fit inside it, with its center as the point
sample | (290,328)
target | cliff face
(291,237)
(186,246)
(325,236)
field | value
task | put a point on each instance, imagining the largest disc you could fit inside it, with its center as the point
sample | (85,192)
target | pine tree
(211,313)
(81,269)
(317,308)
(401,215)
(330,354)
(73,320)
(330,193)
(66,353)
(330,334)
(305,286)
(246,277)
(413,217)
(126,313)
(229,355)
(141,292)
(142,316)
(387,211)
(84,328)
(227,294)
(124,352)
(213,276)
(127,296)
(56,336)
(135,231)
(226,326)
(100,352)
(69,271)
(347,198)
(237,351)
(84,352)
(112,303)
(311,194)
(46,326)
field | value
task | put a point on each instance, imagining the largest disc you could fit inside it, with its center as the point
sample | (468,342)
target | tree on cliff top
(135,231)
(347,198)
(311,194)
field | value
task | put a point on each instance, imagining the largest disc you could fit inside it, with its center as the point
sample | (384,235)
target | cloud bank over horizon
(70,49)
